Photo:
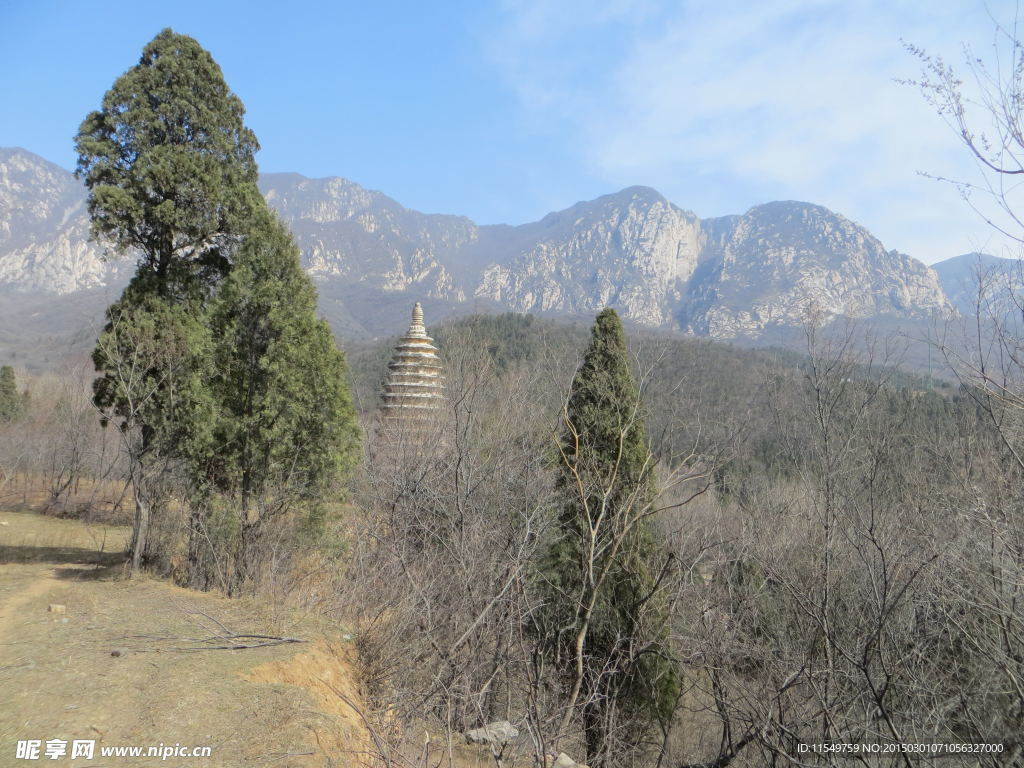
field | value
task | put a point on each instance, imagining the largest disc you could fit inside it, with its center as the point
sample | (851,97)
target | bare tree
(803,624)
(982,101)
(451,514)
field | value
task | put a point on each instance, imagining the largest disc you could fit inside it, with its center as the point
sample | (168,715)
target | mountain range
(661,266)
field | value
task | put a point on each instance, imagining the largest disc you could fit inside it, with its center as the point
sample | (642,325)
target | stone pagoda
(414,386)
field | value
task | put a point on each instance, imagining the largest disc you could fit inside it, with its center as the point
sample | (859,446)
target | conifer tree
(170,165)
(153,355)
(10,400)
(171,174)
(604,619)
(285,428)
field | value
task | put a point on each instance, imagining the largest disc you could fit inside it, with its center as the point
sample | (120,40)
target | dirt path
(106,668)
(38,553)
(10,607)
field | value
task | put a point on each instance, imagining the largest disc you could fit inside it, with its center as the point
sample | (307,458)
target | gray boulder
(498,733)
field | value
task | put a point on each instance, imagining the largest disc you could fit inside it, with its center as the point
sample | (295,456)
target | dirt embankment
(133,663)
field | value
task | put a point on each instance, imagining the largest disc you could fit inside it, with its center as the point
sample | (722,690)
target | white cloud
(724,106)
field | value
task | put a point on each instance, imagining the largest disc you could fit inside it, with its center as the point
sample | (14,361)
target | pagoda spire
(416,328)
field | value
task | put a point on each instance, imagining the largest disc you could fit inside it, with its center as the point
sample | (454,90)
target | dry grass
(326,670)
(259,706)
(91,501)
(27,537)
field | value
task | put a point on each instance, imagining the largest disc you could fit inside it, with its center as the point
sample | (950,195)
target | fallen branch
(232,642)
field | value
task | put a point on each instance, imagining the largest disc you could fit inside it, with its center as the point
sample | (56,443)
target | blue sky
(504,111)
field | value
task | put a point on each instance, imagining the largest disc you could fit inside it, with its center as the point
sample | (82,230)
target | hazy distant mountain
(961,277)
(660,265)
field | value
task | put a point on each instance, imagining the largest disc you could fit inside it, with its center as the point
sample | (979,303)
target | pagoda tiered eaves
(414,386)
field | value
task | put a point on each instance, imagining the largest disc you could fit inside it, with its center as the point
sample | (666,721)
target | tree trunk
(593,734)
(140,527)
(248,553)
(197,576)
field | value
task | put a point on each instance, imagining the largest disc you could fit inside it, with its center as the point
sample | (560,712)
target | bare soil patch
(259,706)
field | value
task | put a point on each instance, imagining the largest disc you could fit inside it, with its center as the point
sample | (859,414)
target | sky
(503,111)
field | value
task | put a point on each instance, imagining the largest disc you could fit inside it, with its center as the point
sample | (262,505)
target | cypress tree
(171,174)
(213,356)
(152,355)
(604,620)
(170,165)
(285,429)
(10,400)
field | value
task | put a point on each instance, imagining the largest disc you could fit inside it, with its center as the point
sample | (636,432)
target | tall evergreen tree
(10,400)
(285,428)
(170,165)
(171,174)
(604,620)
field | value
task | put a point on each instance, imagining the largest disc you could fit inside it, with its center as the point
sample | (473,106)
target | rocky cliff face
(660,265)
(781,260)
(633,250)
(44,228)
(359,236)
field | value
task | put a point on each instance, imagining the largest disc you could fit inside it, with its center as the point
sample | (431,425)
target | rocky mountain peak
(783,257)
(799,226)
(637,196)
(321,200)
(44,229)
(635,201)
(1000,280)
